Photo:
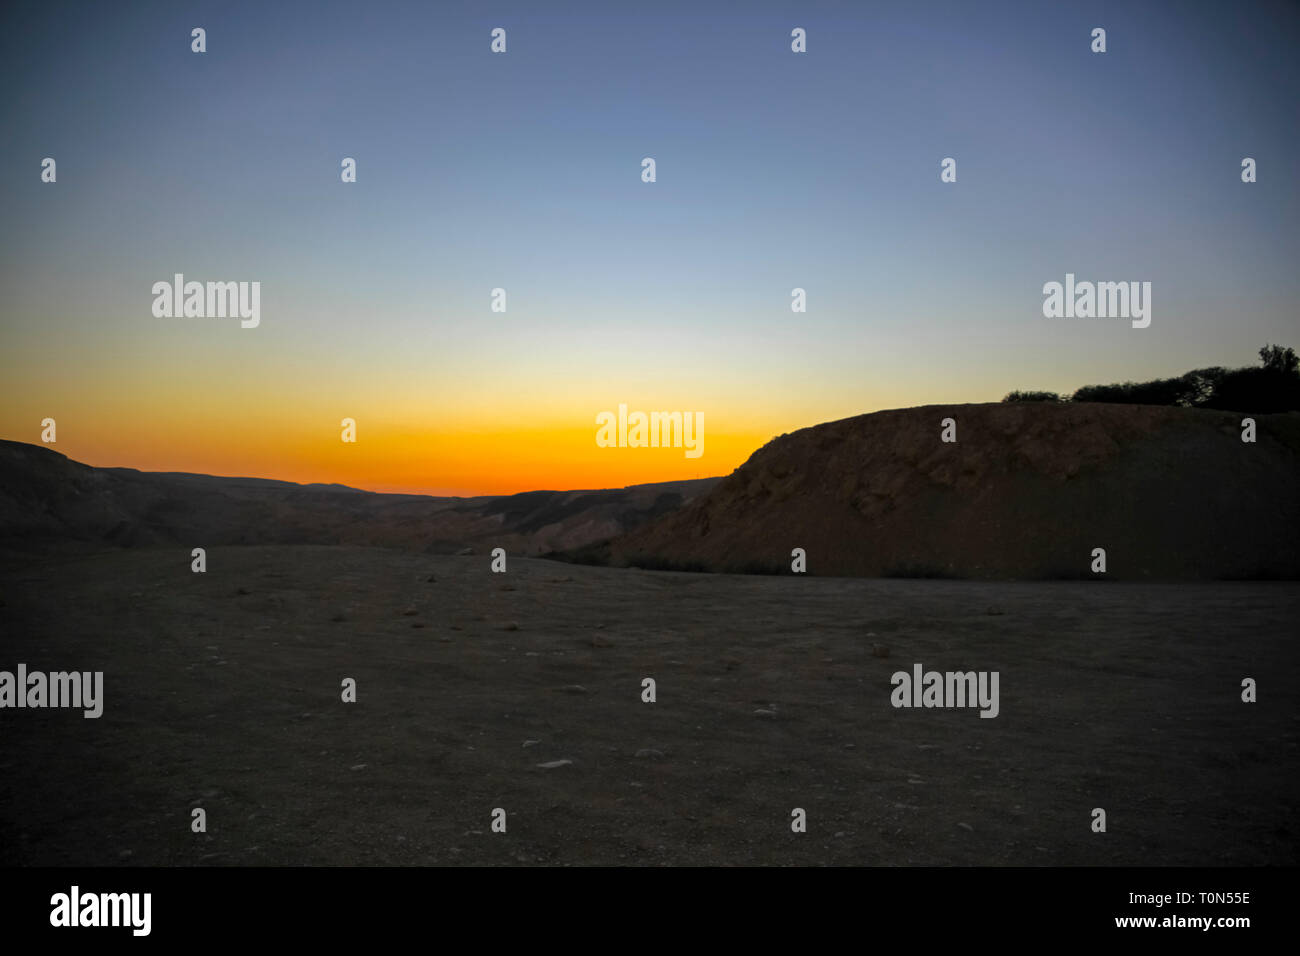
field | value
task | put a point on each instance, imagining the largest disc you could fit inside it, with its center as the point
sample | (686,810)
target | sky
(523,171)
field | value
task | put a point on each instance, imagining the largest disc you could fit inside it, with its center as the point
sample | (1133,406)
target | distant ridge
(49,502)
(1027,491)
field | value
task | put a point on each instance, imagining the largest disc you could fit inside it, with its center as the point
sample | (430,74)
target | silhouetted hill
(1028,490)
(48,501)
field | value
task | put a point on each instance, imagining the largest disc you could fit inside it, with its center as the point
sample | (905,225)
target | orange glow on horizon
(241,415)
(391,460)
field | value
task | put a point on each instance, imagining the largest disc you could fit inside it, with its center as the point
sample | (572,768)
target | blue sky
(522,170)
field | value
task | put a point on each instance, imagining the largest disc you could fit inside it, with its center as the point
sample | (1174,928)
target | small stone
(531,743)
(879,650)
(410,612)
(126,855)
(552,764)
(574,689)
(510,626)
(430,579)
(966,826)
(763,712)
(465,551)
(359,766)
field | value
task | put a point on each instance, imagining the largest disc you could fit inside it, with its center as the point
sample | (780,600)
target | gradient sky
(522,170)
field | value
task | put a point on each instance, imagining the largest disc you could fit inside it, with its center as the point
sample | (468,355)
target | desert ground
(222,691)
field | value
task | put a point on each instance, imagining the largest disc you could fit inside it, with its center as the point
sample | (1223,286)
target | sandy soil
(223,691)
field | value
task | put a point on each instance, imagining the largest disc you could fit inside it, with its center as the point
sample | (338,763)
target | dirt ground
(222,691)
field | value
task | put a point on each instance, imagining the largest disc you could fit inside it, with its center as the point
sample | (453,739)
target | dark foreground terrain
(222,691)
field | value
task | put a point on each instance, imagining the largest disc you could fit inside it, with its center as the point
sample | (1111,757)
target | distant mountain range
(49,502)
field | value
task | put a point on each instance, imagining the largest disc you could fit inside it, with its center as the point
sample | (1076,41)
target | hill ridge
(1026,490)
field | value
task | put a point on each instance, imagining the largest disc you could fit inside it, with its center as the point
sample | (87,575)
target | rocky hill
(1026,491)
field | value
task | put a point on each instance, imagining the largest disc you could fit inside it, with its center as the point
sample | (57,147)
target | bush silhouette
(1274,387)
(1019,396)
